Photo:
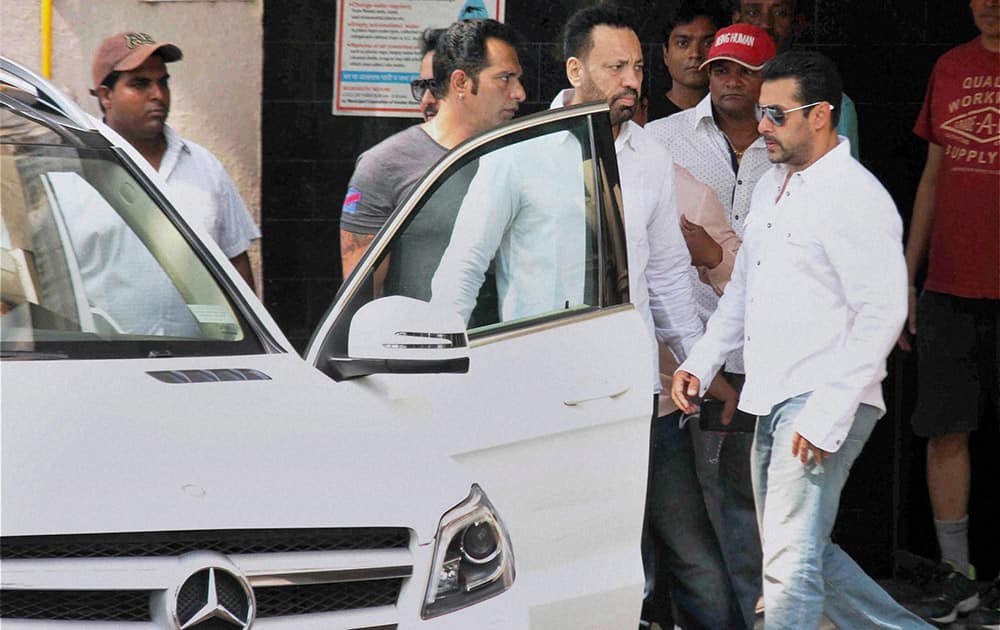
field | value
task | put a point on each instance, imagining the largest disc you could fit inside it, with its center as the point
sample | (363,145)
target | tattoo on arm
(352,247)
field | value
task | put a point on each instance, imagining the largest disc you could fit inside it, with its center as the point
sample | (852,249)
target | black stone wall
(885,49)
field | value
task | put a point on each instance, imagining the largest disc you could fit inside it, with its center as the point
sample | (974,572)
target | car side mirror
(402,335)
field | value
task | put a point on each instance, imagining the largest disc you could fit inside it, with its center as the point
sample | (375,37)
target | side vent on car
(208,376)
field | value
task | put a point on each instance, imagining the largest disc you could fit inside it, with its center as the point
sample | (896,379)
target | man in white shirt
(131,85)
(604,62)
(816,299)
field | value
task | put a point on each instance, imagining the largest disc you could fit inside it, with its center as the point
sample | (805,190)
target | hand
(801,448)
(720,389)
(684,390)
(905,341)
(705,252)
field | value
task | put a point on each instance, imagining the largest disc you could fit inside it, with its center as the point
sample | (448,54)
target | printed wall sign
(377,51)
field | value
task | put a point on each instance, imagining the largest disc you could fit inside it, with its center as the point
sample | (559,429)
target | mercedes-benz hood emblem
(214,596)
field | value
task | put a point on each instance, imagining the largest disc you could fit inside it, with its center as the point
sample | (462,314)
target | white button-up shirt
(204,192)
(817,298)
(697,144)
(658,258)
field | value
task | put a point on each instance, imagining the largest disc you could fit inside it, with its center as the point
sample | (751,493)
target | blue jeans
(723,465)
(679,521)
(805,574)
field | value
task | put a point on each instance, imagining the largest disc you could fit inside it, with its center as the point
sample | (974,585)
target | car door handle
(615,393)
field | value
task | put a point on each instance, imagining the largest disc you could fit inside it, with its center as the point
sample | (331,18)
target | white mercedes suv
(169,461)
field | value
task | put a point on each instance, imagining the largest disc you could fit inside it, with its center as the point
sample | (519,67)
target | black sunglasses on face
(776,114)
(418,87)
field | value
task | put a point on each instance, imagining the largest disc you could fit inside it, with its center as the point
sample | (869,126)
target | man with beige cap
(131,85)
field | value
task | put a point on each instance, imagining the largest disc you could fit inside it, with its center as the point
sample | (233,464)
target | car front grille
(292,573)
(75,605)
(283,601)
(229,542)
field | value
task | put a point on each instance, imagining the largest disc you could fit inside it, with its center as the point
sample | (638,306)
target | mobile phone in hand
(710,418)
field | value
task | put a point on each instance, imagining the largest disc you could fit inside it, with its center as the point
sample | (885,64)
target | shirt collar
(830,164)
(703,112)
(563,97)
(626,136)
(175,145)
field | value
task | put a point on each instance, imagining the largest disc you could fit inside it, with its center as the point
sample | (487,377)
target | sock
(953,538)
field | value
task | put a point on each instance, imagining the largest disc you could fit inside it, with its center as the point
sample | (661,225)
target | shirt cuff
(821,428)
(719,275)
(692,366)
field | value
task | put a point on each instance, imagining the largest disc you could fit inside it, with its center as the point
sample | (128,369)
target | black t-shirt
(660,107)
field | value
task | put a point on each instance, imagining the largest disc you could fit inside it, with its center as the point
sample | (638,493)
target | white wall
(215,89)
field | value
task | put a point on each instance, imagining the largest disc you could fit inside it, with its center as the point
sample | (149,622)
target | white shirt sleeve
(668,279)
(724,331)
(237,228)
(864,249)
(487,210)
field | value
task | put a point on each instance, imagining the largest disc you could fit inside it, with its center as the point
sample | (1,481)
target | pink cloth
(701,205)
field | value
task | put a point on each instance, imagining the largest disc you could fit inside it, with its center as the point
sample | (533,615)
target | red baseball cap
(746,44)
(127,51)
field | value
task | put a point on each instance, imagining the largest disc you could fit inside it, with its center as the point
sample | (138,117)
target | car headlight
(473,559)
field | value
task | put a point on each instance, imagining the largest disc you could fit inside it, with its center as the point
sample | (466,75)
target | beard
(621,113)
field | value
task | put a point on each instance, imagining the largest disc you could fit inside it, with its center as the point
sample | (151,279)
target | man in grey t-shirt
(477,83)
(382,178)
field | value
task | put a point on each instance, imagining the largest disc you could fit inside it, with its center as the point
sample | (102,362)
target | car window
(509,235)
(92,265)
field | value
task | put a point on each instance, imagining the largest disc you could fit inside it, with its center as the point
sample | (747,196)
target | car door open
(492,312)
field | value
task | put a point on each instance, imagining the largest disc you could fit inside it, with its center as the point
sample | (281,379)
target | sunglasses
(419,87)
(776,114)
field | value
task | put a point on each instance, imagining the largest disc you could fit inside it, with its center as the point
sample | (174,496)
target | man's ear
(822,117)
(103,94)
(459,83)
(737,16)
(574,71)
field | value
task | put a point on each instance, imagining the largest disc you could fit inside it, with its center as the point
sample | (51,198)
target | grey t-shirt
(384,175)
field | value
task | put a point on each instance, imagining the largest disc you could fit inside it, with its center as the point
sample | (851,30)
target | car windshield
(91,264)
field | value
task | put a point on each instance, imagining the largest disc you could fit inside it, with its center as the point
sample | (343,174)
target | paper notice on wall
(377,50)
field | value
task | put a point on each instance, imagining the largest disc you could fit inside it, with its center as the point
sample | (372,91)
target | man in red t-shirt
(956,226)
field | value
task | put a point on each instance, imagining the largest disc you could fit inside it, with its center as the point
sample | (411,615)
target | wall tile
(288,190)
(323,79)
(527,55)
(286,300)
(552,73)
(332,178)
(863,22)
(289,70)
(321,294)
(302,249)
(289,131)
(885,74)
(949,23)
(299,20)
(343,138)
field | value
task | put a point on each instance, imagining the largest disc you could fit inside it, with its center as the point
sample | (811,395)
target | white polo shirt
(204,192)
